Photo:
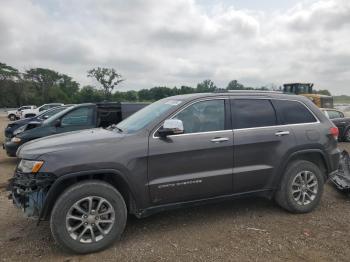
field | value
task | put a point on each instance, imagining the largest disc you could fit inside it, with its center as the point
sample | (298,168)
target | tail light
(334,131)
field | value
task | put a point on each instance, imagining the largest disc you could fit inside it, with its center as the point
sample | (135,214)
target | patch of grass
(342,99)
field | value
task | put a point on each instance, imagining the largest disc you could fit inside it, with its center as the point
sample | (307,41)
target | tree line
(37,86)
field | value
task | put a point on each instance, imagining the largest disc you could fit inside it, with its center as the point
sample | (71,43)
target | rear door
(260,144)
(197,164)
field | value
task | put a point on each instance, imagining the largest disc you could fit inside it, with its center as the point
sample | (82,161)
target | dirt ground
(241,230)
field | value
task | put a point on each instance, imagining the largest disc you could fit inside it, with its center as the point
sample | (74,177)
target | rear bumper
(333,161)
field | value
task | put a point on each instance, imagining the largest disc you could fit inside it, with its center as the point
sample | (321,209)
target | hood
(21,122)
(76,140)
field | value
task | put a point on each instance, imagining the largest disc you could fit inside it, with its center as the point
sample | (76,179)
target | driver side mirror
(171,127)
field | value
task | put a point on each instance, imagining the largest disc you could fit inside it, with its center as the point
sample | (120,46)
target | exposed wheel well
(111,179)
(313,157)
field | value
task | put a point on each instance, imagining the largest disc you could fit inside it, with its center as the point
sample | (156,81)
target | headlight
(16,140)
(29,166)
(20,130)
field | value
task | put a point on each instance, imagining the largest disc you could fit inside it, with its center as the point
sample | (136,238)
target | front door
(197,164)
(78,119)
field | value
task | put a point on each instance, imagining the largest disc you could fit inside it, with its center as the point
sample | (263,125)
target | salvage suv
(179,151)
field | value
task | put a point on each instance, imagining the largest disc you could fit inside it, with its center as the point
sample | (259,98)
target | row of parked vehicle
(179,151)
(29,111)
(55,118)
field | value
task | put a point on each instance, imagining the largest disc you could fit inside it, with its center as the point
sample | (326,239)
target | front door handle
(219,139)
(282,133)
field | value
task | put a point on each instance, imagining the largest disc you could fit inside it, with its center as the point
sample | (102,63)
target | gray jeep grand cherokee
(179,151)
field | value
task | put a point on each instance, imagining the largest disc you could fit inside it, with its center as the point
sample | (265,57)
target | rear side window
(248,113)
(293,112)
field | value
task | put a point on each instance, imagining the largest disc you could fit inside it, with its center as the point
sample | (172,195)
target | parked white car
(16,114)
(35,111)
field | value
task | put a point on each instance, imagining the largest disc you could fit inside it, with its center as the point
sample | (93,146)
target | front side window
(204,116)
(79,117)
(250,113)
(293,112)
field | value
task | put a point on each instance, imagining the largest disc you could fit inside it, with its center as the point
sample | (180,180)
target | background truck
(31,112)
(15,114)
(305,89)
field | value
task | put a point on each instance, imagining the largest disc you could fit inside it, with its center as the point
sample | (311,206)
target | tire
(80,195)
(12,117)
(288,196)
(347,135)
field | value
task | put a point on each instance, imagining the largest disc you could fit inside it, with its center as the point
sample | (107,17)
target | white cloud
(177,42)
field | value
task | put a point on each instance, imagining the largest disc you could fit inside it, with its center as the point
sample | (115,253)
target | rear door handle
(282,133)
(219,139)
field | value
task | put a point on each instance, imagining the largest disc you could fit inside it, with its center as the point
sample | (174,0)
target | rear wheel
(301,187)
(88,217)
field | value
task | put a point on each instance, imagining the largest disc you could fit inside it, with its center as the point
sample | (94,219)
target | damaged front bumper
(28,191)
(341,179)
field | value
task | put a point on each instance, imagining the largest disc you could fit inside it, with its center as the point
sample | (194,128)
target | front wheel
(88,217)
(301,187)
(12,117)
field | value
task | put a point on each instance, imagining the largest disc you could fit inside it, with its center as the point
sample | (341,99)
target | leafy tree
(107,77)
(68,86)
(89,94)
(145,95)
(131,96)
(186,90)
(206,86)
(8,72)
(235,85)
(43,80)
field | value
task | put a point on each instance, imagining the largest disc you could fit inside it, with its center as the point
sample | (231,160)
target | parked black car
(19,125)
(179,151)
(82,116)
(341,121)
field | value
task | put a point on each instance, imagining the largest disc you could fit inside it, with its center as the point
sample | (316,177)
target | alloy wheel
(304,188)
(90,219)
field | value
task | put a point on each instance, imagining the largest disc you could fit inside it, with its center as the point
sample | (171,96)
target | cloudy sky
(182,42)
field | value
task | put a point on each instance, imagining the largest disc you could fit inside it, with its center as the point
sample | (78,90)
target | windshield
(49,113)
(146,115)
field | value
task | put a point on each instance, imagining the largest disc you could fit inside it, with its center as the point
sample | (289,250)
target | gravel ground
(242,230)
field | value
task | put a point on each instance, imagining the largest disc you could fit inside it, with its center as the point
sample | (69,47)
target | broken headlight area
(28,191)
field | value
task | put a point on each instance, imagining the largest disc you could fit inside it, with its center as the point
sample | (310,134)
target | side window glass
(43,108)
(293,112)
(249,113)
(204,116)
(81,116)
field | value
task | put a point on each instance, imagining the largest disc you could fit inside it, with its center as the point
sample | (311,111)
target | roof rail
(246,91)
